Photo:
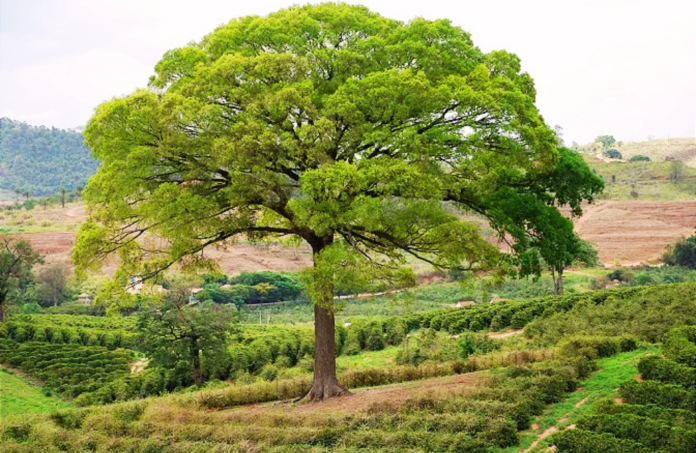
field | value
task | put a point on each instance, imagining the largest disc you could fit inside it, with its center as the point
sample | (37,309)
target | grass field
(17,397)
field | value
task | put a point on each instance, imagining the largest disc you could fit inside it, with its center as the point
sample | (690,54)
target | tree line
(40,161)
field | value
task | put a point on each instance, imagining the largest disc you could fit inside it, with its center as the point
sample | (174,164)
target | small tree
(613,154)
(605,140)
(52,284)
(176,335)
(676,171)
(63,196)
(16,261)
(683,253)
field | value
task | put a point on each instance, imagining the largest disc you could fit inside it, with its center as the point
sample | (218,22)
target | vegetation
(683,253)
(283,137)
(16,261)
(639,158)
(176,336)
(660,411)
(66,369)
(39,161)
(605,140)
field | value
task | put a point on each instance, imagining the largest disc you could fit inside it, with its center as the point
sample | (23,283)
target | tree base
(321,391)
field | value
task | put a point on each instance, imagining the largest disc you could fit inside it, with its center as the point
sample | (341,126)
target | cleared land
(635,231)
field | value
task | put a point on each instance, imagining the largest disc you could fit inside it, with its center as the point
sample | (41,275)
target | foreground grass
(602,384)
(17,397)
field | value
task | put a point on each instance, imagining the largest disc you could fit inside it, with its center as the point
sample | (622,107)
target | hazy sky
(626,68)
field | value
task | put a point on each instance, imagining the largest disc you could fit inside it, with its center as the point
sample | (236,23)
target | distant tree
(18,193)
(634,193)
(63,196)
(16,260)
(27,194)
(676,171)
(52,284)
(559,134)
(605,140)
(613,154)
(683,253)
(639,158)
(179,336)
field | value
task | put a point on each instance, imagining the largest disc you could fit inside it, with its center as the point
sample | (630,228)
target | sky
(624,68)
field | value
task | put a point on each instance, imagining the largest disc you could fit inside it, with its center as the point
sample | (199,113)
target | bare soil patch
(632,232)
(362,399)
(499,335)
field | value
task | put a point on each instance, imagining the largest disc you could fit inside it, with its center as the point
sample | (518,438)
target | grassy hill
(650,180)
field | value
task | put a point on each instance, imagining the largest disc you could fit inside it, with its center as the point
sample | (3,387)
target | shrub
(639,158)
(581,441)
(668,372)
(664,395)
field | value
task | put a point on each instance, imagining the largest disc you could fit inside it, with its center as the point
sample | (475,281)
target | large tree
(363,136)
(16,260)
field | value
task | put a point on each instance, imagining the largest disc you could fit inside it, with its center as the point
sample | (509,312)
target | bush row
(646,431)
(668,372)
(514,314)
(67,369)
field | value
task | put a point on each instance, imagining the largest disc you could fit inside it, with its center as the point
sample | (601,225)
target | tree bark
(196,355)
(325,383)
(2,312)
(558,283)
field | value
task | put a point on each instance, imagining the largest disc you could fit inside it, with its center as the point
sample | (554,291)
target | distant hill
(659,150)
(42,160)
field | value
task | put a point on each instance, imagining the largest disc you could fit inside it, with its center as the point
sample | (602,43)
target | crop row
(659,414)
(68,369)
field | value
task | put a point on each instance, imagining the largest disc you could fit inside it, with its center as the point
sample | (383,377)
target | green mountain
(42,160)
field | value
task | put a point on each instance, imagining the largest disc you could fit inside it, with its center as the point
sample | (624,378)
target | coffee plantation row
(657,414)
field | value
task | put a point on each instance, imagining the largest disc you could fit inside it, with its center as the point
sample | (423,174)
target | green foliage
(645,313)
(639,158)
(109,332)
(175,335)
(605,140)
(683,253)
(660,414)
(16,260)
(68,369)
(473,344)
(580,441)
(613,154)
(42,160)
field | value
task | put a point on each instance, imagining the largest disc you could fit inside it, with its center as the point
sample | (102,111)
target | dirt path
(499,335)
(362,399)
(541,437)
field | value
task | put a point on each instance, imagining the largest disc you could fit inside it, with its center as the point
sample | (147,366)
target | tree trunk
(2,312)
(558,283)
(196,355)
(325,383)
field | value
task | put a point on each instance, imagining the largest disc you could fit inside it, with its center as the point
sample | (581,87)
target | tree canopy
(16,260)
(363,136)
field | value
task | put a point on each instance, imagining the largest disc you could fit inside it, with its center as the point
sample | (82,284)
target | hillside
(42,160)
(658,150)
